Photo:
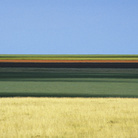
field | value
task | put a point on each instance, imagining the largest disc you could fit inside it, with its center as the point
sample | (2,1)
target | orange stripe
(70,61)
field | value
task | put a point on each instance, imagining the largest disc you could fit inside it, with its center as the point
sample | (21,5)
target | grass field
(64,82)
(68,117)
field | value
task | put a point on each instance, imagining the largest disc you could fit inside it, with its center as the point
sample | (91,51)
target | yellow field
(68,117)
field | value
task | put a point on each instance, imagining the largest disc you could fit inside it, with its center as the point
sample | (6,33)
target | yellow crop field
(68,117)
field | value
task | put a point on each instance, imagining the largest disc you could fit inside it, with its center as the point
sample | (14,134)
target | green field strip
(46,58)
(69,82)
(71,57)
(70,87)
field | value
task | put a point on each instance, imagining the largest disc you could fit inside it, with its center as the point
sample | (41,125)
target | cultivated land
(68,82)
(70,61)
(68,58)
(68,117)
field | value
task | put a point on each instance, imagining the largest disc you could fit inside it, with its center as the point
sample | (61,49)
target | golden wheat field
(68,117)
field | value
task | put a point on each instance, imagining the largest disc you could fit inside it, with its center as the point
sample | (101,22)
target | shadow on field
(102,80)
(41,75)
(69,65)
(61,95)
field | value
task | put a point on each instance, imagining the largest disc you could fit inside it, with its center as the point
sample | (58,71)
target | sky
(69,27)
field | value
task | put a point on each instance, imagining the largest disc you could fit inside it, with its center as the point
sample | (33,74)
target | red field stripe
(70,61)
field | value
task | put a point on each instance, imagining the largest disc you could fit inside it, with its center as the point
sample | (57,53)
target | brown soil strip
(69,61)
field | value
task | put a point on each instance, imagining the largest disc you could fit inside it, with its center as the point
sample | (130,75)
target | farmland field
(68,117)
(68,82)
(58,99)
(69,57)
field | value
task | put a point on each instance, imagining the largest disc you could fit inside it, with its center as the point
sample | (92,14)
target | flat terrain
(67,86)
(69,117)
(70,61)
(69,58)
(68,82)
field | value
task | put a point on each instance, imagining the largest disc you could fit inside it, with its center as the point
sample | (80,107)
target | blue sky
(69,27)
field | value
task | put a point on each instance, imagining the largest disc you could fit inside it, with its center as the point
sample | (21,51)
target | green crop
(70,57)
(69,82)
